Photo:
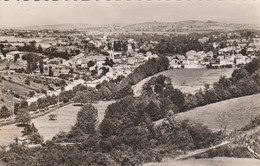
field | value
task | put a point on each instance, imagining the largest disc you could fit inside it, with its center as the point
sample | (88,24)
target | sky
(34,13)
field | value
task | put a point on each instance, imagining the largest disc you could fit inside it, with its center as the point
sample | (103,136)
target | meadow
(232,114)
(188,80)
(66,118)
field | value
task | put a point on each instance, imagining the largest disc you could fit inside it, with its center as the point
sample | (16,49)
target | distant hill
(58,26)
(189,25)
(155,26)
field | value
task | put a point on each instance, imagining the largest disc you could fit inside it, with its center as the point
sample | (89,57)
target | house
(240,59)
(210,54)
(191,54)
(200,55)
(11,55)
(139,58)
(2,56)
(175,63)
(149,55)
(57,61)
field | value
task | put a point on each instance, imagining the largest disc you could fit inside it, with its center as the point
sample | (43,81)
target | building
(11,55)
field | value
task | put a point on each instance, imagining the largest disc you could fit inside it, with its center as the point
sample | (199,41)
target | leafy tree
(16,56)
(109,62)
(106,128)
(4,112)
(87,119)
(27,81)
(154,111)
(33,106)
(50,72)
(23,117)
(40,49)
(90,64)
(87,96)
(24,104)
(126,91)
(41,66)
(29,129)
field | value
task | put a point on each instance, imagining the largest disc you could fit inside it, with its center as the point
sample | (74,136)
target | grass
(66,118)
(232,114)
(20,90)
(188,80)
(217,161)
(191,80)
(101,107)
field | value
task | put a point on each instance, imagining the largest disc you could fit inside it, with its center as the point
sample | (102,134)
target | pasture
(188,80)
(66,118)
(232,113)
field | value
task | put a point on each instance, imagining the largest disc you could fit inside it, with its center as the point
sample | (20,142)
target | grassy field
(101,107)
(20,90)
(217,161)
(66,118)
(188,80)
(233,113)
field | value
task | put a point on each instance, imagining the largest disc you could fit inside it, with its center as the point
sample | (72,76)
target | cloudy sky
(18,14)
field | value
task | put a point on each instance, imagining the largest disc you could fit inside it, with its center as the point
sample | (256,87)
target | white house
(11,55)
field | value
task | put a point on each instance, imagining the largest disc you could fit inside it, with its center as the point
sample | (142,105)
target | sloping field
(217,161)
(21,90)
(233,113)
(188,80)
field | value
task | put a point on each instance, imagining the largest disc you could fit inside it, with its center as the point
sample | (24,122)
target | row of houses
(194,59)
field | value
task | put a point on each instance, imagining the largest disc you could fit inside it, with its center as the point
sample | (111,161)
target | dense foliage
(244,81)
(122,86)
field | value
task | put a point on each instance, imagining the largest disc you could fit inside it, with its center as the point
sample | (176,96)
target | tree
(154,111)
(41,67)
(53,116)
(90,64)
(106,128)
(40,49)
(50,71)
(33,106)
(29,129)
(87,96)
(23,117)
(27,81)
(24,104)
(87,119)
(4,112)
(109,62)
(16,56)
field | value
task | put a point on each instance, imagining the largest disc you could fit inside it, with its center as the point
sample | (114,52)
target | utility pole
(13,105)
(58,99)
(13,109)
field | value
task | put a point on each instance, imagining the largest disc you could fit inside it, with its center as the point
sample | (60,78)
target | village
(129,83)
